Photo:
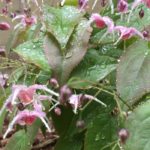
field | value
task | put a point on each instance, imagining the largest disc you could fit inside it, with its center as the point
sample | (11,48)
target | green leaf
(61,22)
(32,52)
(33,130)
(73,137)
(139,130)
(65,143)
(133,72)
(16,74)
(65,126)
(92,69)
(22,35)
(62,65)
(101,131)
(19,141)
(62,122)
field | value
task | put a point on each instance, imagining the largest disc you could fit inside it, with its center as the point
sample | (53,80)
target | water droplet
(97,138)
(102,137)
(104,50)
(24,49)
(69,54)
(146,53)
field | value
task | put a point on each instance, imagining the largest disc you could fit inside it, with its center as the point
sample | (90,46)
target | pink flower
(102,22)
(25,20)
(27,117)
(127,32)
(122,6)
(26,95)
(4,26)
(76,101)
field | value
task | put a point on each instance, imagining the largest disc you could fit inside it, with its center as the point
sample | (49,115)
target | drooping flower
(127,32)
(76,101)
(27,117)
(25,95)
(122,6)
(4,26)
(102,22)
(25,20)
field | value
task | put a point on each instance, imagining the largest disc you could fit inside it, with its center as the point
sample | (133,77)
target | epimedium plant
(83,77)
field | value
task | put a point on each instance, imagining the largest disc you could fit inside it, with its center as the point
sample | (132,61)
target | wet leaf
(62,65)
(133,72)
(61,22)
(101,132)
(32,52)
(92,69)
(138,127)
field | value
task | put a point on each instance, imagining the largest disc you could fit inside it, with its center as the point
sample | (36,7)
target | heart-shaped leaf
(134,72)
(32,52)
(63,65)
(138,125)
(61,22)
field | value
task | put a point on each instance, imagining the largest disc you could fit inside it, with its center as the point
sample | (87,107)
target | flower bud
(4,26)
(82,3)
(5,10)
(65,93)
(54,83)
(141,13)
(103,3)
(80,124)
(122,6)
(123,135)
(20,106)
(8,1)
(146,34)
(57,111)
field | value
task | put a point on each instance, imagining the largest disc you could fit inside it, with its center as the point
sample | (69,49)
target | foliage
(65,52)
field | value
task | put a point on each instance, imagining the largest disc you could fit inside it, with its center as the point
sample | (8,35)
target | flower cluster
(124,32)
(23,96)
(30,107)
